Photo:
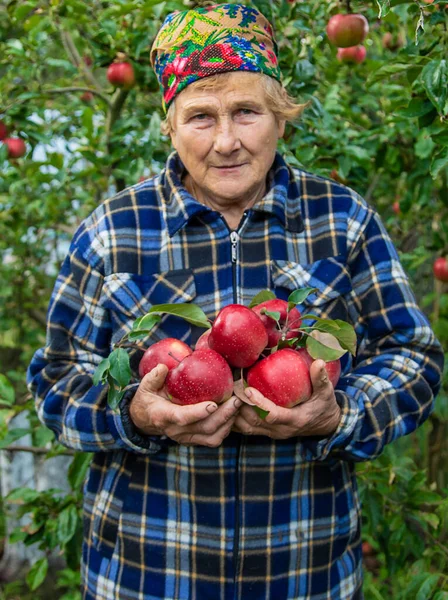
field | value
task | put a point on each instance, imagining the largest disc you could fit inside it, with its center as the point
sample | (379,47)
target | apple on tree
(3,131)
(203,376)
(440,269)
(354,54)
(16,147)
(121,74)
(348,30)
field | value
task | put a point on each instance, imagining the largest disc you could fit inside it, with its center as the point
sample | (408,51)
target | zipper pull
(234,239)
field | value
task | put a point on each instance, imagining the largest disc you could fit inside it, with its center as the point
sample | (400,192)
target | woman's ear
(281,128)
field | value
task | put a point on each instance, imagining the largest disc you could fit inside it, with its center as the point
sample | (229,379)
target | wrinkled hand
(202,424)
(320,415)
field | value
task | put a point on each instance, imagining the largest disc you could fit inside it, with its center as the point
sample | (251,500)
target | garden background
(380,126)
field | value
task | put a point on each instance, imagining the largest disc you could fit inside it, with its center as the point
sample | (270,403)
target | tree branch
(76,59)
(35,450)
(63,90)
(118,101)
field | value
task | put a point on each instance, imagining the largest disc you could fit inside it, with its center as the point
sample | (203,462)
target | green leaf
(262,296)
(389,69)
(36,575)
(13,435)
(428,586)
(22,495)
(78,469)
(417,107)
(324,346)
(101,372)
(145,323)
(260,412)
(66,524)
(114,393)
(120,368)
(138,335)
(300,295)
(341,330)
(189,312)
(272,314)
(439,163)
(435,81)
(7,393)
(383,7)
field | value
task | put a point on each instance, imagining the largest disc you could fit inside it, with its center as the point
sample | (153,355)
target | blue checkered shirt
(256,518)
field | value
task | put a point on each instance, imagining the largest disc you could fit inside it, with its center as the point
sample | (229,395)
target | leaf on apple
(120,368)
(298,296)
(324,346)
(272,314)
(262,296)
(261,412)
(342,331)
(102,371)
(145,323)
(189,312)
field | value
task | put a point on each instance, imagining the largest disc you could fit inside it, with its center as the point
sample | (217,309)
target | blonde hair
(278,100)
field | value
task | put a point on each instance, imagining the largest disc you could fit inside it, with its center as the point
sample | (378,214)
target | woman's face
(226,138)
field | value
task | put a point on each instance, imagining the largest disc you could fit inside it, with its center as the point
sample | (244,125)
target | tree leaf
(66,524)
(262,296)
(300,295)
(7,393)
(275,315)
(22,495)
(114,393)
(324,346)
(101,372)
(36,575)
(189,312)
(439,163)
(145,323)
(429,586)
(435,81)
(417,107)
(261,412)
(78,469)
(341,330)
(13,435)
(120,368)
(383,7)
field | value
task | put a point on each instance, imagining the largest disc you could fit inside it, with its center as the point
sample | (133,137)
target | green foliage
(380,127)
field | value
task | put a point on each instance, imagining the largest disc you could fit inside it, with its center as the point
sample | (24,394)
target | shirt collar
(282,186)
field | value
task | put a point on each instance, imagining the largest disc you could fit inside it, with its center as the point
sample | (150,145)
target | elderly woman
(205,501)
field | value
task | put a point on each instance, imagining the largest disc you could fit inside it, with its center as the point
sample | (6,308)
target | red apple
(87,60)
(288,329)
(202,343)
(16,147)
(239,335)
(355,54)
(440,269)
(333,367)
(396,207)
(283,377)
(203,376)
(121,74)
(3,131)
(347,30)
(141,179)
(87,97)
(169,352)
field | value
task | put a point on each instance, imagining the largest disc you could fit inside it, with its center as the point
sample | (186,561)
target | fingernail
(237,403)
(211,408)
(248,393)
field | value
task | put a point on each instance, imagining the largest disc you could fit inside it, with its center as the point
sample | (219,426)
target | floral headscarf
(197,43)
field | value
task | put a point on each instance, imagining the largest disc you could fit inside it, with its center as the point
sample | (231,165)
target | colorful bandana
(197,43)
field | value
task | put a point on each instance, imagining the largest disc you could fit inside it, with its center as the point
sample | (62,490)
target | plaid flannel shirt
(255,519)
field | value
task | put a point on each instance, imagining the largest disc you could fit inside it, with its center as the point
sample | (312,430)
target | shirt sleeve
(60,375)
(396,374)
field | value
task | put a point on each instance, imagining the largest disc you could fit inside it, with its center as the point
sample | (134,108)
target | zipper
(234,241)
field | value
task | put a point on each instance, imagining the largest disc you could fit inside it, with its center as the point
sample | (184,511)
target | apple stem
(175,358)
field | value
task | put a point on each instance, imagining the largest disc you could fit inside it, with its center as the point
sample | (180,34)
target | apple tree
(82,107)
